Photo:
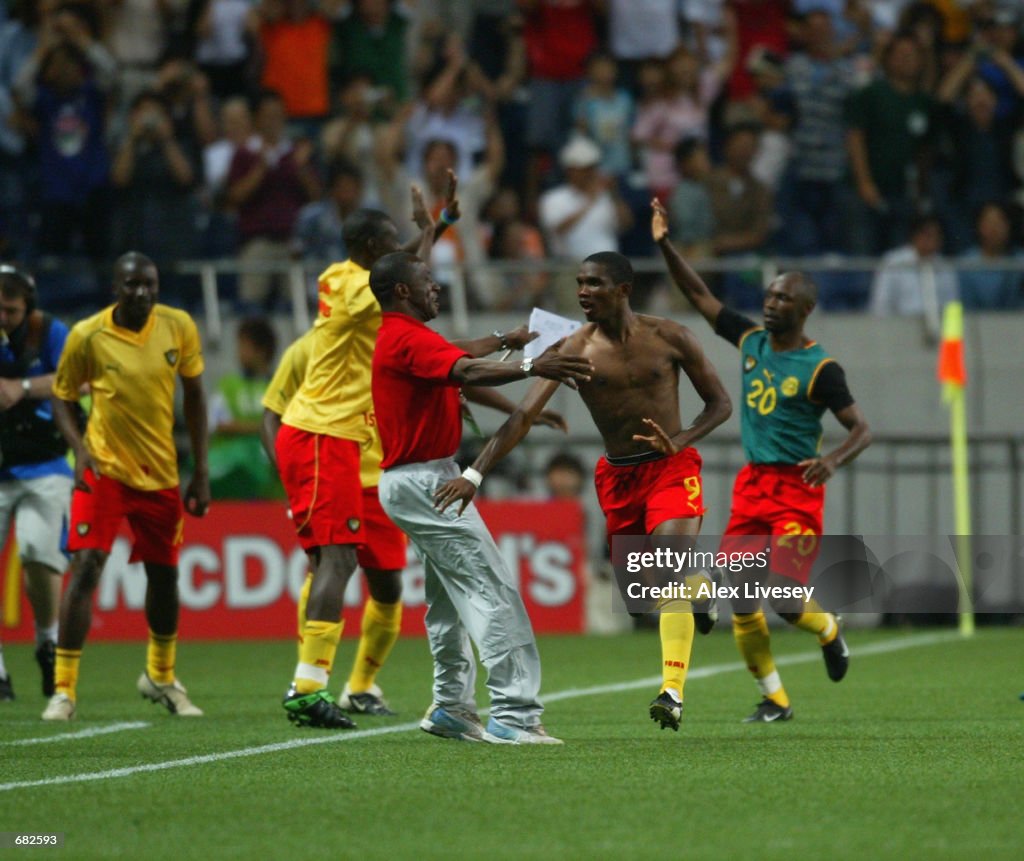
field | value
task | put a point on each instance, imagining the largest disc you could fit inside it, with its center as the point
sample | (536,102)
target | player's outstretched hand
(659,220)
(817,470)
(658,440)
(197,495)
(571,370)
(518,338)
(420,214)
(457,490)
(551,419)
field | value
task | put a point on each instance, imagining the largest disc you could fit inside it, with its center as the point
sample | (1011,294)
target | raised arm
(690,284)
(551,364)
(514,339)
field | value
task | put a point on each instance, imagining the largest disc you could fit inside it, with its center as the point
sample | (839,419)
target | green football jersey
(780,422)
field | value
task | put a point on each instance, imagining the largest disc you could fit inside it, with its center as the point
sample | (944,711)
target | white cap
(580,152)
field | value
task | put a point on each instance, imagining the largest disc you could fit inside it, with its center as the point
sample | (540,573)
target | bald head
(131,260)
(803,286)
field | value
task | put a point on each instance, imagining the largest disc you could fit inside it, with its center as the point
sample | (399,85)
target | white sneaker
(60,707)
(513,735)
(172,697)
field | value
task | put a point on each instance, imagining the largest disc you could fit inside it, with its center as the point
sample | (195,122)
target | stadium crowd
(198,129)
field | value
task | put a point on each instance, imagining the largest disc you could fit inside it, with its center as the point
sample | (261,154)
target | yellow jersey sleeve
(72,369)
(191,361)
(290,373)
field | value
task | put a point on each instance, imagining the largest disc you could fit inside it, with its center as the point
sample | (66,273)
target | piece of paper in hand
(552,328)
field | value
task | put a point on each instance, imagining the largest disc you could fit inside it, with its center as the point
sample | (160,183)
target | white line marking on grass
(82,733)
(883,647)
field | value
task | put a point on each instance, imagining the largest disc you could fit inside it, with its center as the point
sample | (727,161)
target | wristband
(446,218)
(502,342)
(472,476)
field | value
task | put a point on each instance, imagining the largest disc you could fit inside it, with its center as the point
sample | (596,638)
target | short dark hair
(340,167)
(265,95)
(390,271)
(687,147)
(565,460)
(805,283)
(15,281)
(260,333)
(921,220)
(618,267)
(361,227)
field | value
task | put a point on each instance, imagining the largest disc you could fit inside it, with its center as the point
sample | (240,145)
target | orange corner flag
(951,369)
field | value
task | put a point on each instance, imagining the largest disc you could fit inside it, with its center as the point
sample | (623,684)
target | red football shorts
(156,518)
(320,474)
(637,498)
(775,500)
(384,547)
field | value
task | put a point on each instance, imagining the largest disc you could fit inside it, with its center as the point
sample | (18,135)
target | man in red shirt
(471,594)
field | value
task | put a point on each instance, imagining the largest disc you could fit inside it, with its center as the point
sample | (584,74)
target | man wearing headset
(35,478)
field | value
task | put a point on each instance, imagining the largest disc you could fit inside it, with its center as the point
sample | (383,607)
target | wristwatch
(502,343)
(26,385)
(526,366)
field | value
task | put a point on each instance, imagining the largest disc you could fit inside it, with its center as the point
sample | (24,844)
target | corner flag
(952,374)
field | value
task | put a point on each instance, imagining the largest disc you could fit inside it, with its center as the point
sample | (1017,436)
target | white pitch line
(701,672)
(82,733)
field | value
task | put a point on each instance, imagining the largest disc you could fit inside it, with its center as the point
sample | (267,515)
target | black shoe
(837,657)
(46,657)
(317,709)
(769,711)
(666,710)
(705,613)
(6,689)
(369,702)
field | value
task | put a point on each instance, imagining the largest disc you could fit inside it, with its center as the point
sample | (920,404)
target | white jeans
(471,595)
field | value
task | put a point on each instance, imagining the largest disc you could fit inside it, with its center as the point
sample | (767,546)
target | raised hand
(420,214)
(451,196)
(519,337)
(659,220)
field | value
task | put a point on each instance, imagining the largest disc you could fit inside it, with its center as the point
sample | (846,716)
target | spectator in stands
(564,476)
(512,239)
(811,193)
(742,210)
(690,205)
(753,24)
(317,239)
(681,111)
(992,289)
(225,32)
(63,88)
(156,207)
(138,33)
(239,468)
(370,40)
(772,109)
(707,32)
(604,113)
(640,30)
(560,35)
(220,232)
(913,280)
(1000,58)
(186,93)
(979,149)
(890,125)
(295,40)
(924,23)
(585,214)
(451,107)
(269,181)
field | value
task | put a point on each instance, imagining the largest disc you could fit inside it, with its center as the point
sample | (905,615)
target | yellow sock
(160,655)
(66,672)
(751,633)
(316,656)
(676,630)
(303,601)
(817,621)
(381,624)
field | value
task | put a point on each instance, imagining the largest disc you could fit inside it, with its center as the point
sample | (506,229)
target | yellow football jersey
(132,377)
(335,397)
(290,373)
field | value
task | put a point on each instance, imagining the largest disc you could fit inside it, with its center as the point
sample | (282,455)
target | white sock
(46,634)
(3,668)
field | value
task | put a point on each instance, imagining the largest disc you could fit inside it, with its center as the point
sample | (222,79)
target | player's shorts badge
(82,529)
(172,357)
(353,524)
(790,386)
(749,363)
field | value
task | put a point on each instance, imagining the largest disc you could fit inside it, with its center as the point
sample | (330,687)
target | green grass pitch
(917,754)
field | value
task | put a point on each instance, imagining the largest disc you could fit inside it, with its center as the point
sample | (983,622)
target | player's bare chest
(625,368)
